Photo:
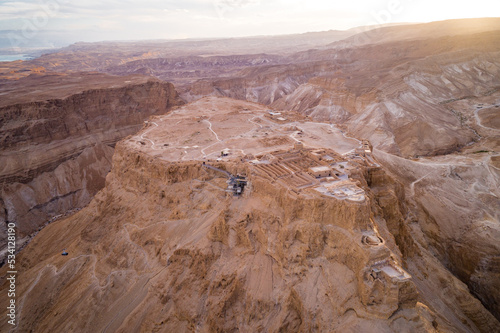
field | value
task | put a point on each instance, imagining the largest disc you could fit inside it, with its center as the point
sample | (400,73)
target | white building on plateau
(321,171)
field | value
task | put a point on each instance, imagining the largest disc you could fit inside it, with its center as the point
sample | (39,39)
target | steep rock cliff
(55,148)
(164,248)
(455,201)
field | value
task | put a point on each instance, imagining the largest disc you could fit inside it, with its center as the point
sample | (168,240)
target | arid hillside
(165,247)
(104,55)
(389,85)
(393,94)
(325,182)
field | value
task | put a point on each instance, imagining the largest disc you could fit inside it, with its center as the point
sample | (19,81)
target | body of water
(13,57)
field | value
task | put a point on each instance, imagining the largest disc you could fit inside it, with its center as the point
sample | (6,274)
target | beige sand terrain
(359,191)
(204,130)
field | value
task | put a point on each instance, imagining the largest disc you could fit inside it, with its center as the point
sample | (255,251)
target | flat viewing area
(213,126)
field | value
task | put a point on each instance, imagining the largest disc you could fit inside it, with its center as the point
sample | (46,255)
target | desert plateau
(336,181)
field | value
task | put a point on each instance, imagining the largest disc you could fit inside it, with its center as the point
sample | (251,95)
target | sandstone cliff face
(455,201)
(55,152)
(164,248)
(89,112)
(449,294)
(264,84)
(70,186)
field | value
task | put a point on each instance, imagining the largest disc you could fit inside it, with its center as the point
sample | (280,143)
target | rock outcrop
(164,247)
(159,251)
(456,204)
(56,148)
(449,295)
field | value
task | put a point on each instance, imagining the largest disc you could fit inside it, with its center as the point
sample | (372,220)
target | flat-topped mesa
(167,223)
(281,158)
(288,179)
(294,188)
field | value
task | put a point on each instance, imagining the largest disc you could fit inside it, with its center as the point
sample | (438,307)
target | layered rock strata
(57,148)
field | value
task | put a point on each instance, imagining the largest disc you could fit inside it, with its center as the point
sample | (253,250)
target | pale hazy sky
(32,23)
